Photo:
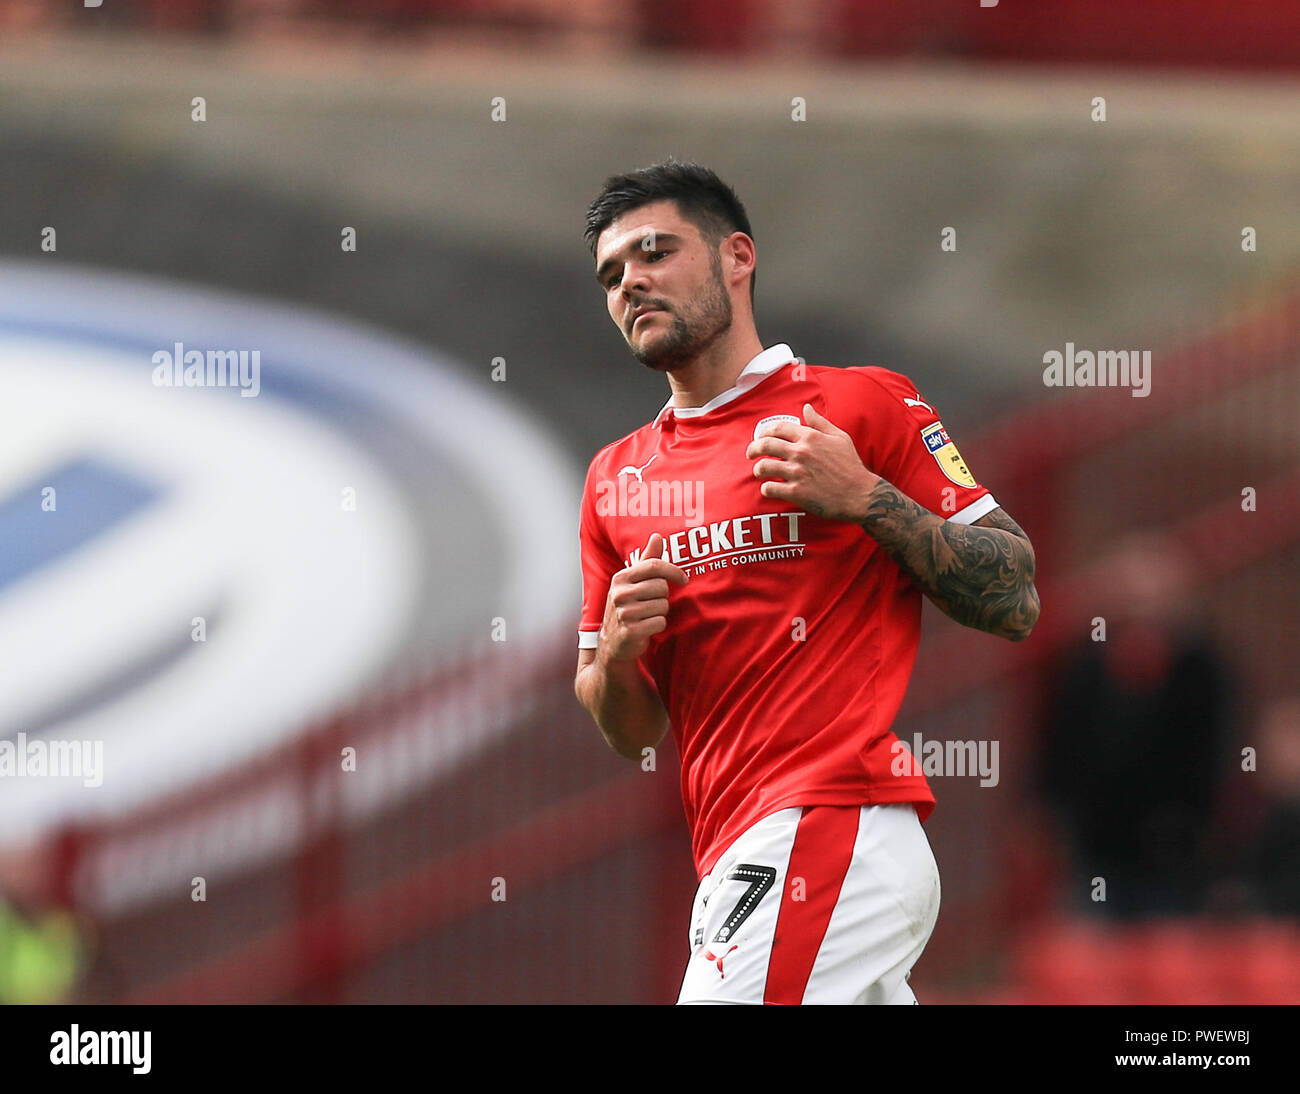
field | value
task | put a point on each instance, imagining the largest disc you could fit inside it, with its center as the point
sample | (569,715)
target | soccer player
(753,563)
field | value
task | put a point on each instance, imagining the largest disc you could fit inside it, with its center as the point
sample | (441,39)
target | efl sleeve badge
(941,447)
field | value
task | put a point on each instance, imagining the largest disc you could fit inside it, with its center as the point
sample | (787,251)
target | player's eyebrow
(612,260)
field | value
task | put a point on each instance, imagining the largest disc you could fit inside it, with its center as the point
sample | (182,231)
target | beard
(704,320)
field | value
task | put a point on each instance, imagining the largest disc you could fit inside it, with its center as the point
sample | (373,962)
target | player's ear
(743,254)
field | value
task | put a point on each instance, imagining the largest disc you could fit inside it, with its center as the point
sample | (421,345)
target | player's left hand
(814,466)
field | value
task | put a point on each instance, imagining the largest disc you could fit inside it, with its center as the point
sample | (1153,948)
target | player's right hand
(637,606)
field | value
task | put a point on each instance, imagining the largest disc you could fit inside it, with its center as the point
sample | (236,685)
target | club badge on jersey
(771,420)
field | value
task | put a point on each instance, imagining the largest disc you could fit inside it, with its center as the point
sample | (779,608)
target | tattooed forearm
(981,575)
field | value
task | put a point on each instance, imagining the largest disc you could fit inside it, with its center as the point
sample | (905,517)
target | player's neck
(715,370)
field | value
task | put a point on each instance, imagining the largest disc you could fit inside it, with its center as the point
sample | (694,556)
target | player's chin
(663,361)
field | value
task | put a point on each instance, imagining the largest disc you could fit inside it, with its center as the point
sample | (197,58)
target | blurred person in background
(1262,861)
(43,944)
(1136,731)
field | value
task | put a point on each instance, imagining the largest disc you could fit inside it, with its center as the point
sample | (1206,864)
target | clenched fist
(637,606)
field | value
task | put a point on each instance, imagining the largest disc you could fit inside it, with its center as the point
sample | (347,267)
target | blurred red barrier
(1171,963)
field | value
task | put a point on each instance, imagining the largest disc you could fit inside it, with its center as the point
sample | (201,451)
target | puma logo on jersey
(918,401)
(637,471)
(710,956)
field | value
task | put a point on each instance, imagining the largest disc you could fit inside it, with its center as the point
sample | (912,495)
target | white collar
(766,363)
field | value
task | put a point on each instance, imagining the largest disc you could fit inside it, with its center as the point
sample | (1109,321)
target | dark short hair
(701,197)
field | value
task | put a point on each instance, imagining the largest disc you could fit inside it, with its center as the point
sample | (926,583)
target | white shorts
(819,904)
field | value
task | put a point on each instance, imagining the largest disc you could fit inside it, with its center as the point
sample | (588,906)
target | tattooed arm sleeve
(981,574)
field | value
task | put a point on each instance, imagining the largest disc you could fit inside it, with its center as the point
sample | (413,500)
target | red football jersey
(787,655)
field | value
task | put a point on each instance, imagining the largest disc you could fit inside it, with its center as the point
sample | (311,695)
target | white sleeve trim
(587,639)
(978,508)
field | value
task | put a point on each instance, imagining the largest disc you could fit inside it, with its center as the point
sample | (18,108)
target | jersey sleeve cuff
(978,508)
(587,639)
